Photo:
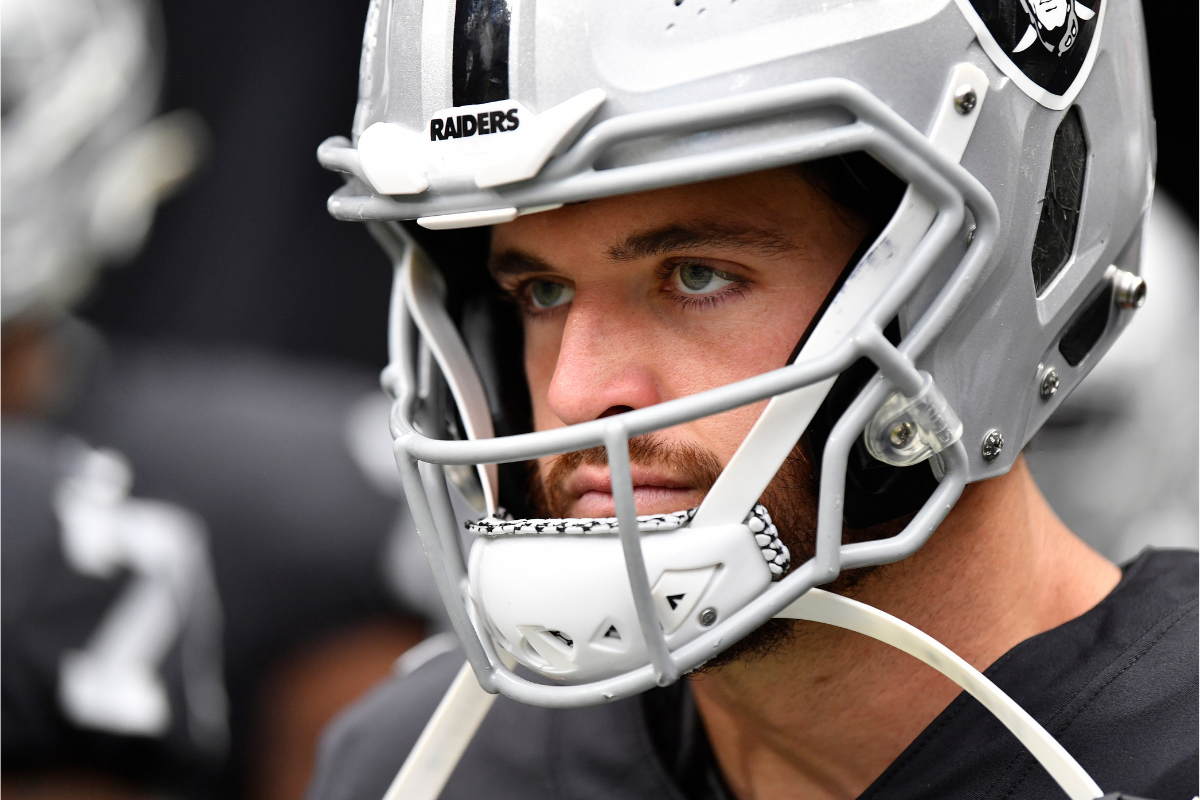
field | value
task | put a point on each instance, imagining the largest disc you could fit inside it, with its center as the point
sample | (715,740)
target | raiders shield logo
(1046,47)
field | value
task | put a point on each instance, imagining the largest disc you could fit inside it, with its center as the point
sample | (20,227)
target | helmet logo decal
(1046,47)
(483,123)
(398,160)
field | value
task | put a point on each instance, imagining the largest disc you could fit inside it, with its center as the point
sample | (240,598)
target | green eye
(548,294)
(699,279)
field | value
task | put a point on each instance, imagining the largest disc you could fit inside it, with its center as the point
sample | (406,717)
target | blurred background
(226,371)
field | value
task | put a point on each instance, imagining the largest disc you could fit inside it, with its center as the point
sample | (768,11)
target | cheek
(758,339)
(541,358)
(758,336)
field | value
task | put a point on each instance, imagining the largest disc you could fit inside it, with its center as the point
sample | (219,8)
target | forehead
(776,204)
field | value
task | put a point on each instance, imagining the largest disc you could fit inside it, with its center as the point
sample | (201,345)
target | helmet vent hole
(1055,238)
(612,633)
(562,637)
(530,655)
(1086,330)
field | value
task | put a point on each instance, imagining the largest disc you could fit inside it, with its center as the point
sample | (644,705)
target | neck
(827,715)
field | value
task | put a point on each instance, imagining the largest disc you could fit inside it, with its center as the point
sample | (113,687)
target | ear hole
(1055,238)
(1086,330)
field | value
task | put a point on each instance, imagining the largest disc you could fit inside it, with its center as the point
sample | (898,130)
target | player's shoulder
(270,441)
(31,466)
(1150,617)
(1126,693)
(1116,686)
(227,393)
(519,751)
(1163,578)
(361,750)
(32,450)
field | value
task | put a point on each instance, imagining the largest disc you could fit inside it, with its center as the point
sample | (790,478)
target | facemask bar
(888,137)
(418,293)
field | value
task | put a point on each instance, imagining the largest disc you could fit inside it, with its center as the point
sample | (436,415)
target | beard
(791,499)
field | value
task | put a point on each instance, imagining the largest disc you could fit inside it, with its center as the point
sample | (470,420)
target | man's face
(1050,14)
(645,298)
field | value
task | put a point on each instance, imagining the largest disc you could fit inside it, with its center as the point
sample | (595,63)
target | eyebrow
(656,242)
(673,238)
(516,262)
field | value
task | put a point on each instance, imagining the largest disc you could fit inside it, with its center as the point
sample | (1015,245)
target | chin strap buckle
(909,430)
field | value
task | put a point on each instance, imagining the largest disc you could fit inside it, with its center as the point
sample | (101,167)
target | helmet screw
(965,99)
(708,616)
(1049,383)
(993,443)
(902,434)
(1129,290)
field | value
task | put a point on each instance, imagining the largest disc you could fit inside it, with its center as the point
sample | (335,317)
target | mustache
(696,465)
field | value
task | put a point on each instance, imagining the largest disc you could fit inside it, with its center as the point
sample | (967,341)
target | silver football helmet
(83,163)
(1009,267)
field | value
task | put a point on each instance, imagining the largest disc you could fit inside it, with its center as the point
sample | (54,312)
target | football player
(738,385)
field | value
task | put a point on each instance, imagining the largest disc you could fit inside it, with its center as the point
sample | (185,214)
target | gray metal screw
(965,99)
(1129,290)
(993,443)
(1049,383)
(902,434)
(708,616)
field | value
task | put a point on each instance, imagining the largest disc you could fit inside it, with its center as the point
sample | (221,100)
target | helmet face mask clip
(609,608)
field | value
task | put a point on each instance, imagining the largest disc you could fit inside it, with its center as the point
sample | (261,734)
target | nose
(605,364)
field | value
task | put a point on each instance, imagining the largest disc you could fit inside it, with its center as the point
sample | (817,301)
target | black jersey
(257,444)
(111,634)
(253,450)
(1117,687)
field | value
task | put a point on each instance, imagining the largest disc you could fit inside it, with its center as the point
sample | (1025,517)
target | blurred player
(175,521)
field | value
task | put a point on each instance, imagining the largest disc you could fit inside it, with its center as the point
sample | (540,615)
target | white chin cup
(561,604)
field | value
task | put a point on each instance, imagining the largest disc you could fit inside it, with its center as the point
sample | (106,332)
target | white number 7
(114,682)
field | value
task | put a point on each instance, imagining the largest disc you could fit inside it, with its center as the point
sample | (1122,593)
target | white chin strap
(465,704)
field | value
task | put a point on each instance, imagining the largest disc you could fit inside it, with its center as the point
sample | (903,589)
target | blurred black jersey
(251,454)
(111,634)
(1116,686)
(259,446)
